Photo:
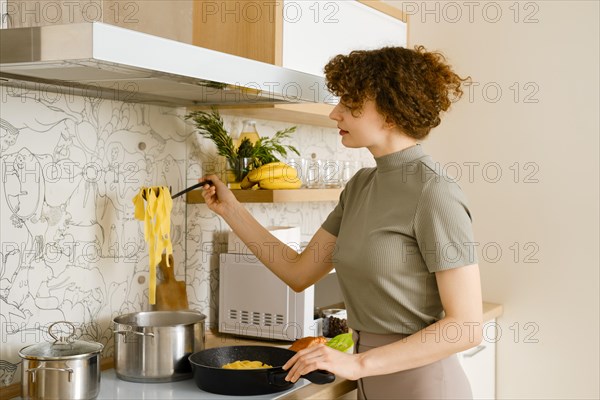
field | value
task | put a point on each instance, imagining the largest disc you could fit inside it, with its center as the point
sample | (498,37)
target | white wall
(3,14)
(549,211)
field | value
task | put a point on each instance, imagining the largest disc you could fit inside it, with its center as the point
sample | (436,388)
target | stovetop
(113,388)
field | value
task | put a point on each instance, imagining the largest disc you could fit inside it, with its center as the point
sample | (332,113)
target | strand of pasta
(156,215)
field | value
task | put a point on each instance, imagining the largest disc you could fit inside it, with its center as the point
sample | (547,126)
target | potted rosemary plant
(241,159)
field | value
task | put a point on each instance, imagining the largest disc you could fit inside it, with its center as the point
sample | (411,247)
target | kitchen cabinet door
(315,31)
(479,364)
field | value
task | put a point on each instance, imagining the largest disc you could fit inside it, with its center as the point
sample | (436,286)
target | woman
(400,237)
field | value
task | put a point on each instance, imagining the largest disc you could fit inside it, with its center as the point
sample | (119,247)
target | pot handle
(134,332)
(62,339)
(34,370)
(320,377)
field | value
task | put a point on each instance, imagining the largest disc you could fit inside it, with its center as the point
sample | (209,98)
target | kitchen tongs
(184,191)
(196,186)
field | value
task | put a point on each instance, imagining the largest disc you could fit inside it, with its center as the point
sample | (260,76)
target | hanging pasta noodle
(156,215)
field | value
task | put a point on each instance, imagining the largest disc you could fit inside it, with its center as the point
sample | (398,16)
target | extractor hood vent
(101,60)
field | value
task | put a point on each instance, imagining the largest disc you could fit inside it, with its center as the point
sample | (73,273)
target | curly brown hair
(410,87)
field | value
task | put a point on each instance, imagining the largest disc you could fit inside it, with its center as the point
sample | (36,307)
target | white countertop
(113,388)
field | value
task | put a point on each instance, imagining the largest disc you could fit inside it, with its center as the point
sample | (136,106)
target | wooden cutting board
(171,294)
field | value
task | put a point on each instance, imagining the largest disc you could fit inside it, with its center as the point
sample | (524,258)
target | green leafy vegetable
(210,126)
(265,148)
(341,342)
(245,149)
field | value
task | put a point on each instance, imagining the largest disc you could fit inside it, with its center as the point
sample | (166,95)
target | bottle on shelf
(248,132)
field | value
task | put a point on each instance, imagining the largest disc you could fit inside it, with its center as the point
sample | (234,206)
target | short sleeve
(443,226)
(334,220)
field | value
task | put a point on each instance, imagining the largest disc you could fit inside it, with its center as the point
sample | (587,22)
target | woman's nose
(335,113)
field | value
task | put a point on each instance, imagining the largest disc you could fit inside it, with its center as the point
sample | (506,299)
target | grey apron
(443,379)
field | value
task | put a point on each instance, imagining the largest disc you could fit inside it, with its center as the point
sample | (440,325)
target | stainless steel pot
(154,346)
(67,369)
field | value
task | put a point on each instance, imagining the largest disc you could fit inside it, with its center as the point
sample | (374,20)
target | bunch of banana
(275,175)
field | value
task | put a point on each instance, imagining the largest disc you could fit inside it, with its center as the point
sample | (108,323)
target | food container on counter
(154,346)
(334,322)
(66,369)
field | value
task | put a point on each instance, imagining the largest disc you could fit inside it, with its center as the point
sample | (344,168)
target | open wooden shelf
(274,196)
(306,113)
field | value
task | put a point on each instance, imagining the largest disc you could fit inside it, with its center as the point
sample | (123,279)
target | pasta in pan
(246,364)
(156,215)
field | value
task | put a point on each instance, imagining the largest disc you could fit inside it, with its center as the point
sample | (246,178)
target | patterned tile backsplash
(71,248)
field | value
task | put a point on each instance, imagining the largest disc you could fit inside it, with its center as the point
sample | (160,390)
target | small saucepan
(66,369)
(211,377)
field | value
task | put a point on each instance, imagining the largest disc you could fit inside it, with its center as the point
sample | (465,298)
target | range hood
(102,60)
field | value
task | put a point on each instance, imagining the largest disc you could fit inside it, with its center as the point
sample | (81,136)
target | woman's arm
(298,271)
(460,329)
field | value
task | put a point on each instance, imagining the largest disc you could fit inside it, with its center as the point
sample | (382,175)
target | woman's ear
(389,124)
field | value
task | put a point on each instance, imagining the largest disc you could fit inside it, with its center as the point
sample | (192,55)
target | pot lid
(63,347)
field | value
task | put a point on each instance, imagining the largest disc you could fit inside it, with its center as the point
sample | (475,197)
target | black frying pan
(210,377)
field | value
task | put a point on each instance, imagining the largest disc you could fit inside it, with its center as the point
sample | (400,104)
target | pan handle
(320,377)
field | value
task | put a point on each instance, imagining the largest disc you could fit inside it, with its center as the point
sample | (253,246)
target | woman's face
(367,129)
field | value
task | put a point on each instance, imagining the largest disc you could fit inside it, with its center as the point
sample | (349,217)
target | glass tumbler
(300,164)
(314,175)
(349,168)
(237,169)
(332,173)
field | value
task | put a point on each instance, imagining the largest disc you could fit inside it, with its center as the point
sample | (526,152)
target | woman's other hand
(341,364)
(218,196)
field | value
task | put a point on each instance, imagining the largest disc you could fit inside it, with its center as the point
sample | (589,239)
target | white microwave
(255,302)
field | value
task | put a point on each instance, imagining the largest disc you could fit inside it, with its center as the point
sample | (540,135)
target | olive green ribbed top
(396,225)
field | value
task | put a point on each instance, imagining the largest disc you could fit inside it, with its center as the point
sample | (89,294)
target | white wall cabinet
(301,35)
(479,364)
(315,31)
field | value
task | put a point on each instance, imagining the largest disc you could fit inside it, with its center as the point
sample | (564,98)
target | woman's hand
(217,196)
(341,364)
